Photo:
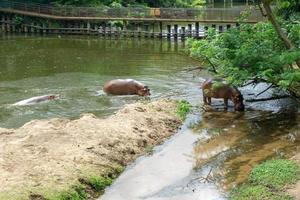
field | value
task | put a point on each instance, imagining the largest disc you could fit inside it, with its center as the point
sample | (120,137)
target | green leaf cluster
(250,52)
(182,109)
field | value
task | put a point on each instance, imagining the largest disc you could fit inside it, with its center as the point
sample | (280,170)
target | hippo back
(122,87)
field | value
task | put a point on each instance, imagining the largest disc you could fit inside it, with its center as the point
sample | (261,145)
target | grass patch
(246,192)
(267,180)
(90,186)
(256,192)
(182,109)
(75,193)
(99,183)
(274,173)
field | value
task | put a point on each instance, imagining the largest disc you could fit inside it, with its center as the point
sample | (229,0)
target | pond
(76,69)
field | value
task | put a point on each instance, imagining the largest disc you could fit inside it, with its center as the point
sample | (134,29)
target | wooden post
(88,27)
(197,29)
(205,30)
(169,31)
(146,26)
(182,36)
(25,29)
(13,26)
(9,23)
(153,30)
(104,29)
(175,31)
(3,23)
(31,28)
(189,30)
(44,28)
(139,30)
(160,29)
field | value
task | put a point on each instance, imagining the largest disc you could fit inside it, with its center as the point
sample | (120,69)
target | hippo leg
(225,103)
(209,100)
(204,99)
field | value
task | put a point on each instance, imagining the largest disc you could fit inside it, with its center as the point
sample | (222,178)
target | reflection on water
(235,142)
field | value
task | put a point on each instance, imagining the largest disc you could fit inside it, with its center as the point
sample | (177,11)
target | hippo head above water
(145,91)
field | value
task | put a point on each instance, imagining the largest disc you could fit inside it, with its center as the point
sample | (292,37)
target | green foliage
(250,52)
(18,20)
(182,109)
(99,183)
(250,192)
(256,192)
(75,193)
(275,173)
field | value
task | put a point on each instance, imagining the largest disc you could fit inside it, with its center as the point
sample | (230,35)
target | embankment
(61,158)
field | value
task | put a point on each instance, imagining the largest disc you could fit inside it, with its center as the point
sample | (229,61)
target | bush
(183,108)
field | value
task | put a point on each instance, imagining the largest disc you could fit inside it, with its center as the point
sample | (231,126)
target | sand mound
(52,154)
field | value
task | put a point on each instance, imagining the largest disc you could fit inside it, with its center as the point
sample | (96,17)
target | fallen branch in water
(205,179)
(268,98)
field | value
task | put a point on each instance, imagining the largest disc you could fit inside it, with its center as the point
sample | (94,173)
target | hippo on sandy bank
(126,87)
(215,89)
(35,100)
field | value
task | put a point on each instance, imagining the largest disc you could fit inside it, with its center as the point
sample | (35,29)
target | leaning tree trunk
(287,43)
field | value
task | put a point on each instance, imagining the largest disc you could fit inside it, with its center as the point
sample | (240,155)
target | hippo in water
(34,100)
(217,89)
(126,87)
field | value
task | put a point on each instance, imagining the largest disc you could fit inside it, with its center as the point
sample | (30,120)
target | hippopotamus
(215,89)
(126,87)
(34,100)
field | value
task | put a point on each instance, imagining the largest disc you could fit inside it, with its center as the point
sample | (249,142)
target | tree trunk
(276,26)
(287,43)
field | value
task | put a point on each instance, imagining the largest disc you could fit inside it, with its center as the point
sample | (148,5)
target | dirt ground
(45,156)
(295,190)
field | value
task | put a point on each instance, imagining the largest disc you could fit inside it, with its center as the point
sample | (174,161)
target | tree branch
(268,98)
(269,87)
(212,65)
(287,43)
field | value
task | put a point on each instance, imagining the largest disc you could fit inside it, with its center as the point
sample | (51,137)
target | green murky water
(76,69)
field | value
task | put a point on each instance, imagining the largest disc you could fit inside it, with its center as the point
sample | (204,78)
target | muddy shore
(45,157)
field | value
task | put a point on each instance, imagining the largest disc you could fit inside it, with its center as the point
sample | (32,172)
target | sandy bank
(45,156)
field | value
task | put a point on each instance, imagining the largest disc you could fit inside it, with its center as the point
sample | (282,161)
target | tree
(288,44)
(257,53)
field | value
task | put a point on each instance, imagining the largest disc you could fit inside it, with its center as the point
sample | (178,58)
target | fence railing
(201,14)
